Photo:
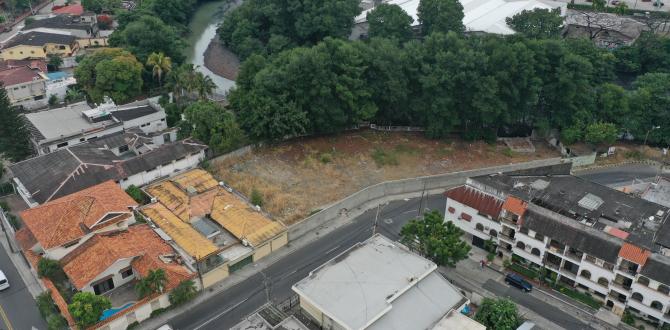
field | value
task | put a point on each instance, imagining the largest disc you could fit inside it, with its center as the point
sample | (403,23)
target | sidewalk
(29,278)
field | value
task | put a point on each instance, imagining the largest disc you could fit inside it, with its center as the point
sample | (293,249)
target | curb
(596,167)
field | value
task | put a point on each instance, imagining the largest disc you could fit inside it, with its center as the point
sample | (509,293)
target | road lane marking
(217,315)
(5,319)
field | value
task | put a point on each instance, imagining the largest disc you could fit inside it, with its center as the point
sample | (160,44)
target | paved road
(620,175)
(548,311)
(18,310)
(227,309)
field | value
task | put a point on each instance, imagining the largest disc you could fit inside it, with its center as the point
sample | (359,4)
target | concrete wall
(48,147)
(470,226)
(138,314)
(115,272)
(148,124)
(262,251)
(26,91)
(583,160)
(213,276)
(239,152)
(21,52)
(143,178)
(402,187)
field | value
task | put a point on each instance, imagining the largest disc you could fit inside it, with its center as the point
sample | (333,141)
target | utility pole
(421,200)
(374,226)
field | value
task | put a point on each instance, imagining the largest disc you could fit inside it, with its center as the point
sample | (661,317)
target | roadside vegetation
(498,314)
(435,239)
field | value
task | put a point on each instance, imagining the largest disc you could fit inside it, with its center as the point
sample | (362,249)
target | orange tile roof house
(58,227)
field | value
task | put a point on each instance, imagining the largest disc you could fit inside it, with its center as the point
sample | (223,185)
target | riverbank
(220,60)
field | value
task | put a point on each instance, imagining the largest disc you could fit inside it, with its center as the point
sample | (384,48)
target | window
(466,216)
(539,237)
(451,210)
(585,274)
(82,140)
(663,289)
(60,145)
(145,125)
(535,252)
(23,87)
(603,281)
(656,305)
(61,47)
(479,227)
(493,233)
(123,148)
(637,296)
(126,272)
(521,245)
(103,286)
(32,52)
(643,280)
(524,230)
(15,88)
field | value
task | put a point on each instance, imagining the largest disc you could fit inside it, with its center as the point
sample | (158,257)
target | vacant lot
(298,177)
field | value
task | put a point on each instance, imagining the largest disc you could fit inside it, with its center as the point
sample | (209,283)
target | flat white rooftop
(63,122)
(379,284)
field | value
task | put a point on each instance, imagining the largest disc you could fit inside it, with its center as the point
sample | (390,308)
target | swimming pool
(109,312)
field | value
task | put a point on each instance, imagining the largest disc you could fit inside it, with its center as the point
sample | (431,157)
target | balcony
(625,270)
(507,238)
(509,219)
(620,286)
(552,265)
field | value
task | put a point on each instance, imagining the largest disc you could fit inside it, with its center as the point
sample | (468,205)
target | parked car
(519,282)
(4,283)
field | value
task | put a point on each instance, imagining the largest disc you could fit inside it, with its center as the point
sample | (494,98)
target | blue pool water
(109,312)
(56,75)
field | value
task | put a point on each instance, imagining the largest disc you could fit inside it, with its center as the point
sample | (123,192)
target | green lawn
(581,297)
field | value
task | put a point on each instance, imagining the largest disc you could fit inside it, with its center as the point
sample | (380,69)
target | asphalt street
(620,175)
(227,309)
(18,310)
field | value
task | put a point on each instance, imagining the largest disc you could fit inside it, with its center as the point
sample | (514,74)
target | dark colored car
(519,282)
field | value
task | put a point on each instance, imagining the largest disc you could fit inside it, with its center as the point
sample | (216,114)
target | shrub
(6,188)
(86,308)
(508,152)
(14,221)
(184,292)
(137,194)
(133,325)
(50,269)
(157,312)
(326,158)
(154,282)
(490,256)
(256,197)
(53,99)
(45,304)
(633,154)
(628,318)
(56,322)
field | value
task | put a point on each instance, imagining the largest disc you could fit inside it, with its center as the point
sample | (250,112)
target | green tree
(440,16)
(172,12)
(99,6)
(154,282)
(146,35)
(181,81)
(214,125)
(498,314)
(650,102)
(256,197)
(203,85)
(601,133)
(160,65)
(14,136)
(621,8)
(249,28)
(389,21)
(86,308)
(53,99)
(537,23)
(55,61)
(184,292)
(113,72)
(599,5)
(436,239)
(572,134)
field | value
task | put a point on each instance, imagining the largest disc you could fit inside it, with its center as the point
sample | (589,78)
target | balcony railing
(627,271)
(507,237)
(620,286)
(556,249)
(552,265)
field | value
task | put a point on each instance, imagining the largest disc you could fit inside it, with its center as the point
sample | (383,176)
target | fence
(403,187)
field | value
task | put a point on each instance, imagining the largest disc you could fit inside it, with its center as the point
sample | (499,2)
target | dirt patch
(299,177)
(221,60)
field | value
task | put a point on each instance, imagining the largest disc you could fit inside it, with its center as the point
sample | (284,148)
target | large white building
(599,240)
(380,284)
(480,15)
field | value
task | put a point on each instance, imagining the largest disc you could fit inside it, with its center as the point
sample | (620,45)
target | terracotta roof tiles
(633,253)
(485,204)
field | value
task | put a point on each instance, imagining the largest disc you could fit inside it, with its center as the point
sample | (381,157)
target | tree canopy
(214,125)
(87,307)
(110,72)
(440,16)
(99,6)
(269,26)
(146,35)
(14,136)
(498,314)
(389,21)
(436,239)
(537,23)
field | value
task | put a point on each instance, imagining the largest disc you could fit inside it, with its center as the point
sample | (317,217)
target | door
(478,242)
(103,286)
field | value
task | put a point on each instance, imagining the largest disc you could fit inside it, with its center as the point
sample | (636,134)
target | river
(202,30)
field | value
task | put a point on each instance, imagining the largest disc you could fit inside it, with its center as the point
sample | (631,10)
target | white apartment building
(598,240)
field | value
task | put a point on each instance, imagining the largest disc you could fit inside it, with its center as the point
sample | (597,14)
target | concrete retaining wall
(402,187)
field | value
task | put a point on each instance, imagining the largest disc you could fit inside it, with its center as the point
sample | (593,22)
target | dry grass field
(301,176)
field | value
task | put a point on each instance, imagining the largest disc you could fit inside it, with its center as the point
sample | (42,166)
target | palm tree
(160,64)
(180,80)
(204,85)
(154,282)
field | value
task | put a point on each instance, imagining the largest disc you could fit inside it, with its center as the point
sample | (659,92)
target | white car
(4,283)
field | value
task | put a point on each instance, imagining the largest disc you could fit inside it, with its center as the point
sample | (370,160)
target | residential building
(39,45)
(479,16)
(380,284)
(216,230)
(74,9)
(35,64)
(77,123)
(613,245)
(60,226)
(131,158)
(604,29)
(65,24)
(26,87)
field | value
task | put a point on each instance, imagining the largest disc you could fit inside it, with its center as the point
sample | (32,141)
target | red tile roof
(69,218)
(485,204)
(71,9)
(19,75)
(633,253)
(35,64)
(515,205)
(139,242)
